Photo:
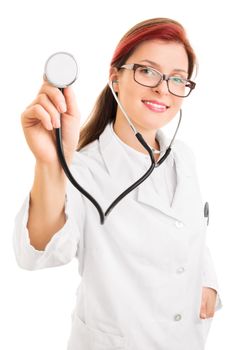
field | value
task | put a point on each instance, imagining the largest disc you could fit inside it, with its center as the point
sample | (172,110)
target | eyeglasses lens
(151,78)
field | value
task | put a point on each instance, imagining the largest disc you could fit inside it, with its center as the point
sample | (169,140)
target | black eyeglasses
(150,77)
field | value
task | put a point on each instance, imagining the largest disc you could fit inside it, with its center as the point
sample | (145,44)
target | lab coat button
(179,224)
(177,317)
(180,269)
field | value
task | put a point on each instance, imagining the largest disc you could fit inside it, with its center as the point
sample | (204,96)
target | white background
(35,307)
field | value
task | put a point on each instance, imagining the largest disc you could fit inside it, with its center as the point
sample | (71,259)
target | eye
(178,80)
(146,71)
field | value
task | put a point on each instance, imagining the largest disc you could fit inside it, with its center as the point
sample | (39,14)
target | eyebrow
(157,65)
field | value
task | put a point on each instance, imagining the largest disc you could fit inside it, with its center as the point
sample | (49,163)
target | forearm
(47,201)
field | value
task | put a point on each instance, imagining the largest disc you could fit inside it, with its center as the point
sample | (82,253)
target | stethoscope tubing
(154,164)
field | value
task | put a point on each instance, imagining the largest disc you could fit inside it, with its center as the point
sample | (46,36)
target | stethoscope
(61,71)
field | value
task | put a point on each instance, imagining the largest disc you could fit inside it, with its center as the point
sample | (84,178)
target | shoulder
(92,153)
(183,148)
(185,153)
(179,148)
(86,152)
(90,148)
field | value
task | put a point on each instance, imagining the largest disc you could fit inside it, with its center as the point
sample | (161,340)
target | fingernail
(49,126)
(203,315)
(62,107)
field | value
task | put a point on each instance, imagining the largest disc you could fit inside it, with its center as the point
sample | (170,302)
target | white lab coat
(144,269)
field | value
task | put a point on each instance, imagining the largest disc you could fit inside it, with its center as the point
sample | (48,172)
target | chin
(152,124)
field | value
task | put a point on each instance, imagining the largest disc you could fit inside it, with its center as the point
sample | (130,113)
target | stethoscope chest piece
(61,69)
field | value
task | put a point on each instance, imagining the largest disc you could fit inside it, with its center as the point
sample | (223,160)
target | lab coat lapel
(117,162)
(185,189)
(147,195)
(119,167)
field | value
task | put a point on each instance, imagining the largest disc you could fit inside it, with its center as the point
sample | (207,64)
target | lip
(155,105)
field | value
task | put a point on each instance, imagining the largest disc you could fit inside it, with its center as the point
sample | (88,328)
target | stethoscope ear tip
(110,83)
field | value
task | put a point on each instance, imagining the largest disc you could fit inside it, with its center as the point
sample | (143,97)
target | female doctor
(148,281)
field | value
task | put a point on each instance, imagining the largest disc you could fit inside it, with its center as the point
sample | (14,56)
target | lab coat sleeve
(210,277)
(62,247)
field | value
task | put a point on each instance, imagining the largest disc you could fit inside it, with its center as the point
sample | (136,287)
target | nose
(162,88)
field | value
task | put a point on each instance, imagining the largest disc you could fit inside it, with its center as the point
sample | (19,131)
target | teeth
(154,105)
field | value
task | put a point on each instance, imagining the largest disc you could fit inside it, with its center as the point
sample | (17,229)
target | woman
(148,281)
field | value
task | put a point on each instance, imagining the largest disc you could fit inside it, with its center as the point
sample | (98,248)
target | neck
(125,133)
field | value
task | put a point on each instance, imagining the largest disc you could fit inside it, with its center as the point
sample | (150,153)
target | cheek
(130,92)
(177,103)
(129,97)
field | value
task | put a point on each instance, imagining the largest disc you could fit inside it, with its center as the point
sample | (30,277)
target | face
(151,108)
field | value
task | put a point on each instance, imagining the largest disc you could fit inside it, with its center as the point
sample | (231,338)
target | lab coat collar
(118,165)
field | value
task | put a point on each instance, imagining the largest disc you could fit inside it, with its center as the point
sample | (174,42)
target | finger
(45,102)
(36,114)
(55,95)
(71,103)
(210,308)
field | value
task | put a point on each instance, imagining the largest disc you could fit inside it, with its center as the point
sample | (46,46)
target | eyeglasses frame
(165,77)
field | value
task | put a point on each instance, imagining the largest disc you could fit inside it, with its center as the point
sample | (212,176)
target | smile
(155,106)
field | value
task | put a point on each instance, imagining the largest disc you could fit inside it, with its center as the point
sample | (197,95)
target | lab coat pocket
(84,337)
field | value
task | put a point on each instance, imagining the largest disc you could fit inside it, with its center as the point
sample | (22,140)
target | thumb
(203,311)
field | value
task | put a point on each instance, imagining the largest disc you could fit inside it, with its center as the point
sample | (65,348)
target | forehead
(168,55)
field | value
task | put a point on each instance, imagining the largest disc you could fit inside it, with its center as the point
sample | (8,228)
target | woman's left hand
(208,302)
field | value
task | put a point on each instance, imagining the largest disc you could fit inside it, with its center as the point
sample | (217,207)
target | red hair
(158,28)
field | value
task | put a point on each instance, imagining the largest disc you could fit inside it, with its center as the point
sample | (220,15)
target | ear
(113,76)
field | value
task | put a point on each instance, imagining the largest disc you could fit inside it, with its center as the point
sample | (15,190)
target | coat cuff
(61,248)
